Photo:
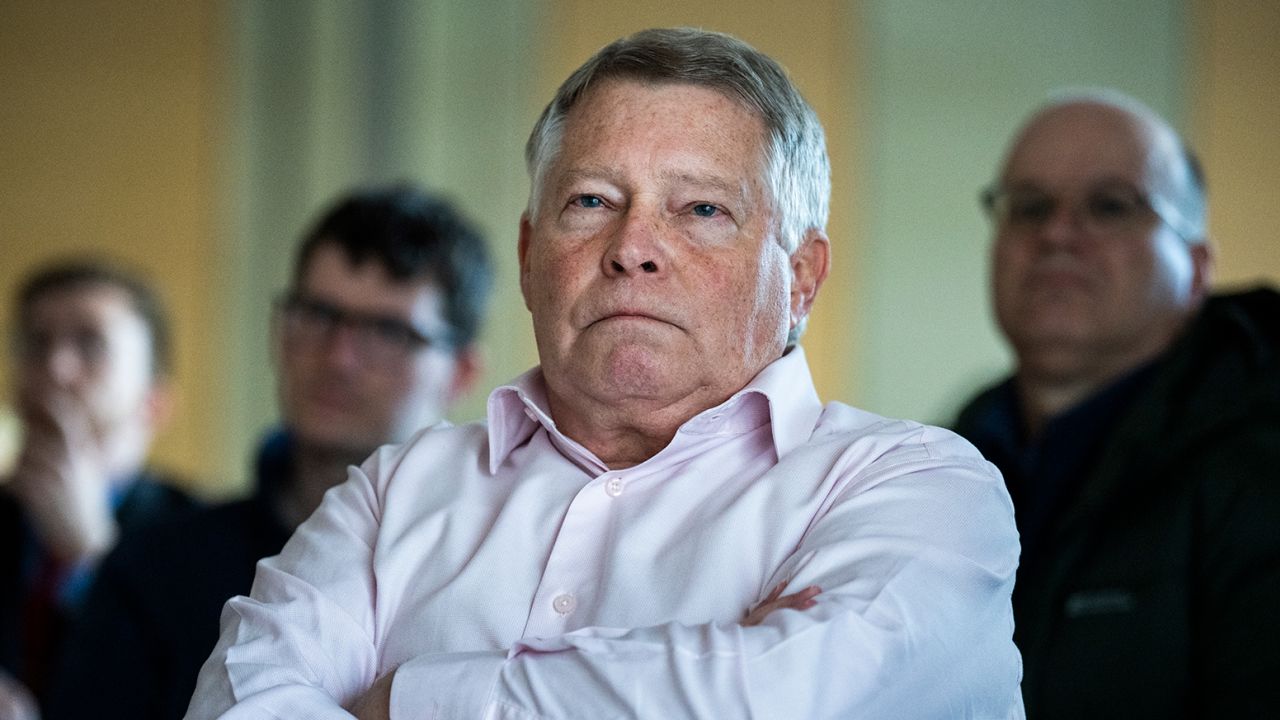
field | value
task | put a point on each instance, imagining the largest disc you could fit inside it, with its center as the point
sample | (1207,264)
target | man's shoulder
(177,550)
(1245,325)
(153,498)
(892,439)
(1226,371)
(439,446)
(471,436)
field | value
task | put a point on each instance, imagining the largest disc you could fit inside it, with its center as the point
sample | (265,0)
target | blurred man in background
(374,341)
(91,366)
(1140,432)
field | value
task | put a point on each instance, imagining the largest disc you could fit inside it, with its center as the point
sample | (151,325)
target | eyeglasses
(36,345)
(1107,209)
(381,340)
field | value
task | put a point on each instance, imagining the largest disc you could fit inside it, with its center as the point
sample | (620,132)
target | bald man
(1139,434)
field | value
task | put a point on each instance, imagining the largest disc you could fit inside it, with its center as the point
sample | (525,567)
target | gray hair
(798,172)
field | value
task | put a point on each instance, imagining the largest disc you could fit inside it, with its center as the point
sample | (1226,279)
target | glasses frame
(1163,210)
(334,316)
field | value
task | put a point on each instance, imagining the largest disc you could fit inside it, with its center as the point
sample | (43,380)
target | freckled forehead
(659,123)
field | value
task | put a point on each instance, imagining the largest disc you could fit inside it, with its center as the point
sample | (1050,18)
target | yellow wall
(109,114)
(1236,101)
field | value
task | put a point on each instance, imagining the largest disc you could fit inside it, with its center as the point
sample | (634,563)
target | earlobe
(160,404)
(522,253)
(467,366)
(1201,270)
(810,264)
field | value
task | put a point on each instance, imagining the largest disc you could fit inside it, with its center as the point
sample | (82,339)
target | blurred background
(197,139)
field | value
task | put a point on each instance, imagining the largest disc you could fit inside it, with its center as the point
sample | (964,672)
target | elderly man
(1140,432)
(661,520)
(92,361)
(375,340)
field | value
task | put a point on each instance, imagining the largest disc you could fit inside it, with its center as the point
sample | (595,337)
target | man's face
(349,377)
(1073,286)
(87,347)
(651,265)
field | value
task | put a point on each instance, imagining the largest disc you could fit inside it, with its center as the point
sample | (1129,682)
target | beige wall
(110,115)
(1236,127)
(162,131)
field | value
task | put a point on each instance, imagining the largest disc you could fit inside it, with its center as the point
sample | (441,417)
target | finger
(777,591)
(802,600)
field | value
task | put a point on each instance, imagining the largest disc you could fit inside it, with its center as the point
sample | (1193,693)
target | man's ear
(159,404)
(810,264)
(1201,270)
(467,368)
(522,251)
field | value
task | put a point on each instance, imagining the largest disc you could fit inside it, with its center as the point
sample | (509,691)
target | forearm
(828,661)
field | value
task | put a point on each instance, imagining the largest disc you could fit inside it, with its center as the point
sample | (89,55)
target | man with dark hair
(374,340)
(1140,431)
(662,520)
(91,362)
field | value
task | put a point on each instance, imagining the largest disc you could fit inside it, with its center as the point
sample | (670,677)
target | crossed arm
(375,703)
(913,617)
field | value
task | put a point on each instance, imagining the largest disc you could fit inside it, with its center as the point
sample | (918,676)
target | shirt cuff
(445,685)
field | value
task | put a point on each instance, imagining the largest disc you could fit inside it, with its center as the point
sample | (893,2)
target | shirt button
(613,487)
(564,604)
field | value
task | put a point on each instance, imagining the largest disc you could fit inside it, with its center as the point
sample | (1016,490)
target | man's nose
(638,247)
(1065,226)
(340,346)
(63,364)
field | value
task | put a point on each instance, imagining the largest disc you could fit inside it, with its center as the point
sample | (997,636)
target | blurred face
(651,265)
(86,346)
(354,353)
(1086,273)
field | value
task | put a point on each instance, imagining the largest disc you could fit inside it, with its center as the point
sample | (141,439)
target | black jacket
(1155,588)
(148,499)
(151,618)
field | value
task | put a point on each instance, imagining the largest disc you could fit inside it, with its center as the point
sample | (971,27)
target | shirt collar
(781,394)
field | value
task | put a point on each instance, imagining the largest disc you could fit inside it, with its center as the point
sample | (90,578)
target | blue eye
(705,210)
(588,201)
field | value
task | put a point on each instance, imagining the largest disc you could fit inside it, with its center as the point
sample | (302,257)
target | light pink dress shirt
(504,572)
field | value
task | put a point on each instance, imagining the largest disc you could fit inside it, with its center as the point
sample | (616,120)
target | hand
(16,702)
(375,703)
(802,600)
(61,480)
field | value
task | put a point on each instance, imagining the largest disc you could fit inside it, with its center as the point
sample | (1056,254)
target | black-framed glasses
(1104,209)
(380,339)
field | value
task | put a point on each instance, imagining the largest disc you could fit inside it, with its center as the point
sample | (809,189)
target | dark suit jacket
(151,618)
(148,499)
